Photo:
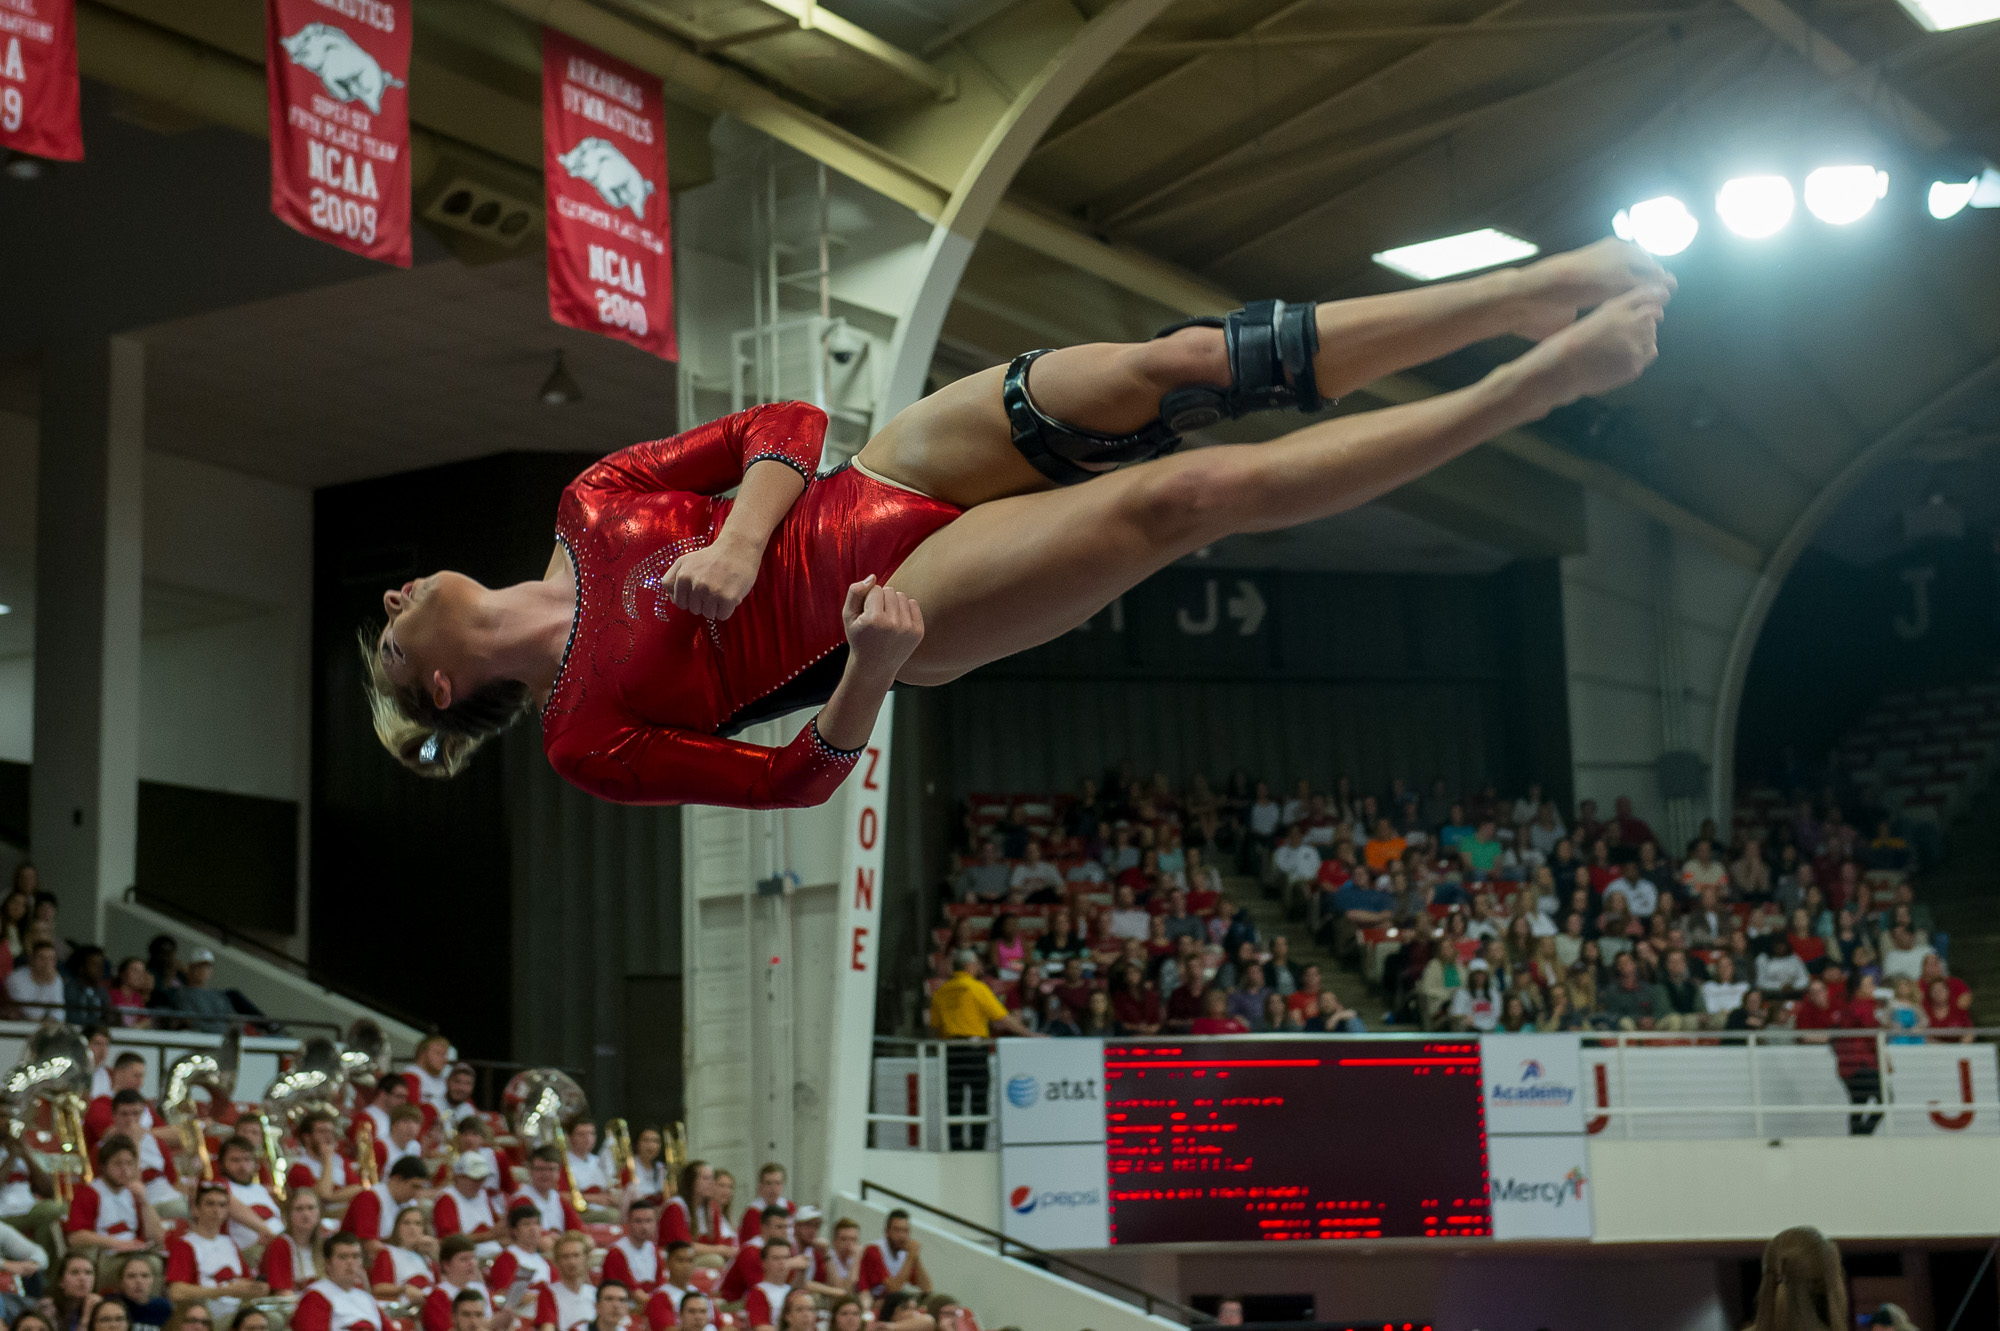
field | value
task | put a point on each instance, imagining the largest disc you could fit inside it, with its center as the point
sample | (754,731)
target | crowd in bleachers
(45,975)
(1095,914)
(417,1210)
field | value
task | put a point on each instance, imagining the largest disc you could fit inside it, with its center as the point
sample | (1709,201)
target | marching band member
(544,1191)
(634,1260)
(253,1211)
(341,1301)
(458,1274)
(112,1214)
(371,1217)
(204,1265)
(402,1266)
(321,1167)
(466,1207)
(156,1167)
(291,1260)
(570,1300)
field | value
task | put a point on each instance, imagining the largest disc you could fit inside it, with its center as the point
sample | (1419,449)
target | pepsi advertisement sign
(1054,1196)
(1533,1084)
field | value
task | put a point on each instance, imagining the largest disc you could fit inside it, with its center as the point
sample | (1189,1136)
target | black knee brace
(1265,341)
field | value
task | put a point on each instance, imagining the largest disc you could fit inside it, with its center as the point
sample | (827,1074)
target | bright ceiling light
(1662,226)
(6,609)
(1838,195)
(1949,197)
(1944,15)
(1755,206)
(1449,256)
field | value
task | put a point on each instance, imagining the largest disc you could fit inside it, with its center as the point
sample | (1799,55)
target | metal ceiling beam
(1860,81)
(1425,31)
(1252,145)
(805,16)
(1317,160)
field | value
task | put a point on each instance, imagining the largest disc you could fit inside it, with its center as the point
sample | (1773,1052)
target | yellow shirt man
(963,1008)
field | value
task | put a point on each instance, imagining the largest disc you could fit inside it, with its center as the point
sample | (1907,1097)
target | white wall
(1614,637)
(224,670)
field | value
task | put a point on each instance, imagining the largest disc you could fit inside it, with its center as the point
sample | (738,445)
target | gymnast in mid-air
(669,618)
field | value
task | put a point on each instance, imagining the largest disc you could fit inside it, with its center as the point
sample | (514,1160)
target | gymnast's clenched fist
(883,626)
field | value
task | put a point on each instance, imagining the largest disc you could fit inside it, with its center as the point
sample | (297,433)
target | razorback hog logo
(348,73)
(601,166)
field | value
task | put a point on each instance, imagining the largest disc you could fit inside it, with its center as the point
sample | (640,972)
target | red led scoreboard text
(1228,1140)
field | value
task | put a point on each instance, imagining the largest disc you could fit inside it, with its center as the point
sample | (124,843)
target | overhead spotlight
(1947,198)
(1661,226)
(1944,15)
(559,388)
(21,166)
(6,609)
(1838,195)
(1448,256)
(1755,207)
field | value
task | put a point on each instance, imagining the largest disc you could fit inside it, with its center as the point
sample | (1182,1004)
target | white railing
(1787,1083)
(911,1106)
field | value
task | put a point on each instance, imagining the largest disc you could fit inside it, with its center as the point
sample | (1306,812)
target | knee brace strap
(1057,450)
(1265,341)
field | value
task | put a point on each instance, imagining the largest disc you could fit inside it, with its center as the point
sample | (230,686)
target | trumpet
(364,1152)
(274,1157)
(618,1144)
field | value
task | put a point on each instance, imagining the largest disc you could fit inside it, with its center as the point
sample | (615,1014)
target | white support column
(857,958)
(84,793)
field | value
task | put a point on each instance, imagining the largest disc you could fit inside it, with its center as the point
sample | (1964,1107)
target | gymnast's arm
(713,580)
(641,764)
(716,457)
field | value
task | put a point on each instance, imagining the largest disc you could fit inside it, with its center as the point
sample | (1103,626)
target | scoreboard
(1278,1139)
(1295,1139)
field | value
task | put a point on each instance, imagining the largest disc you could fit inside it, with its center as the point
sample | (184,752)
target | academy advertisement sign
(1533,1083)
(39,107)
(604,149)
(338,73)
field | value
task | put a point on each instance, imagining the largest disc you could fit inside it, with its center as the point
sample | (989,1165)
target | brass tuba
(316,1082)
(366,1054)
(209,1070)
(540,1104)
(55,1068)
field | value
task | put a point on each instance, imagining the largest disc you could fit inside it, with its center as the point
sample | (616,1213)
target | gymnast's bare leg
(956,443)
(1019,571)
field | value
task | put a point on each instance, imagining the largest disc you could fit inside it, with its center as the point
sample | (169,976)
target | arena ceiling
(1225,149)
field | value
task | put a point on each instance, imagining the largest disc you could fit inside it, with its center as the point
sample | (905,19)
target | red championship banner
(39,112)
(340,122)
(604,149)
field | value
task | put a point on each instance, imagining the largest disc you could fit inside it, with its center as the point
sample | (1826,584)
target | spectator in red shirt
(748,1268)
(1215,1018)
(1134,1002)
(763,1301)
(402,1266)
(340,1302)
(545,1192)
(1854,1057)
(291,1260)
(525,1258)
(1807,946)
(894,1262)
(1943,1012)
(320,1167)
(204,1265)
(458,1277)
(466,1207)
(128,1073)
(635,1260)
(371,1217)
(111,1214)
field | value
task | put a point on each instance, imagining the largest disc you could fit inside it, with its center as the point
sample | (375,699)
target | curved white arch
(983,184)
(1750,621)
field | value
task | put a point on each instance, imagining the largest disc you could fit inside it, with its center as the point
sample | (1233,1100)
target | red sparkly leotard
(647,690)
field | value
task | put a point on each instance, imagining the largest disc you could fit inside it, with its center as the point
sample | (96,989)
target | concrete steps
(1269,913)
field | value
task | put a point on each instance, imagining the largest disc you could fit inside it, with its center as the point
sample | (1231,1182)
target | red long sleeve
(634,764)
(712,458)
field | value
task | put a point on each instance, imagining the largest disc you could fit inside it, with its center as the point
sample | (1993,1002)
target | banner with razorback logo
(604,150)
(339,73)
(39,109)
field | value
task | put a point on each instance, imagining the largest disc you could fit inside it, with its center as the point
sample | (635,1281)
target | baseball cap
(1478,964)
(200,955)
(472,1165)
(805,1213)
